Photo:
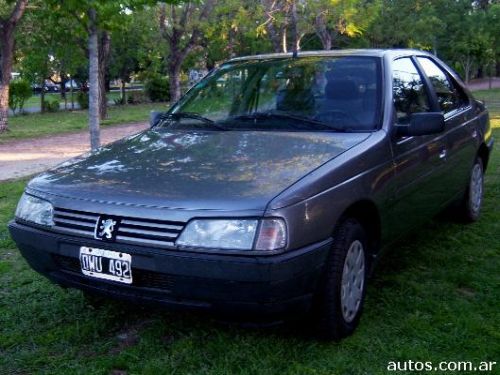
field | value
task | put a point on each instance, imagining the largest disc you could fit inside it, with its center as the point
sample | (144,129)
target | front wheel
(471,205)
(343,291)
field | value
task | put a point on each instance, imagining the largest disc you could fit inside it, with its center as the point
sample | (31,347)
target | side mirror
(422,124)
(153,117)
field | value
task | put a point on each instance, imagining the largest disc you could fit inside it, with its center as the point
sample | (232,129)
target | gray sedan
(268,190)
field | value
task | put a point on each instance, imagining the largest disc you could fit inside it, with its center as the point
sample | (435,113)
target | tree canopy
(141,38)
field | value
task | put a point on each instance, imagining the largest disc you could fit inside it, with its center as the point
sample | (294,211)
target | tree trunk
(284,44)
(7,27)
(72,91)
(63,89)
(6,56)
(230,44)
(174,73)
(276,39)
(175,32)
(275,36)
(322,32)
(93,82)
(467,65)
(104,49)
(325,38)
(42,97)
(4,107)
(62,85)
(294,27)
(124,92)
(327,42)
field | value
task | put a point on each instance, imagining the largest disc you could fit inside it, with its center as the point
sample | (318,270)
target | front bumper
(242,285)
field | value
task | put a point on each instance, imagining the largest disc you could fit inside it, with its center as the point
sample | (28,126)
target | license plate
(106,264)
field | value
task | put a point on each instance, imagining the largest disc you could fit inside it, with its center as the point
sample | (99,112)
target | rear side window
(449,96)
(409,91)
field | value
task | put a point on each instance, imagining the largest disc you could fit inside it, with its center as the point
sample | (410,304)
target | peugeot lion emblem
(106,228)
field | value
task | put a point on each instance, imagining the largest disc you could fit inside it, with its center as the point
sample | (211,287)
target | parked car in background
(72,84)
(37,88)
(51,86)
(271,194)
(47,87)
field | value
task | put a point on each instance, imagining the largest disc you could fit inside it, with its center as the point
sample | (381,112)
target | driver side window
(409,91)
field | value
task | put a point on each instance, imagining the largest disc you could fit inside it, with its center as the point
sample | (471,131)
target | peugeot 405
(268,190)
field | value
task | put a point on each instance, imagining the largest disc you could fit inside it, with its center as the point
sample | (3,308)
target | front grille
(136,231)
(140,278)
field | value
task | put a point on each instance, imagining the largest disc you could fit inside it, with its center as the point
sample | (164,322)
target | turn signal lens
(272,235)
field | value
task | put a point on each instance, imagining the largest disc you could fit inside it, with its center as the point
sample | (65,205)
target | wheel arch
(367,213)
(484,153)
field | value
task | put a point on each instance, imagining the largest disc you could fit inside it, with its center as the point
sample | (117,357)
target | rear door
(419,161)
(460,127)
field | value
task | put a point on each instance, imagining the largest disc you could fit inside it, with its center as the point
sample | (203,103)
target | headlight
(233,234)
(36,210)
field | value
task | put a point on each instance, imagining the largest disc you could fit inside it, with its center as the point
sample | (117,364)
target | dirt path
(30,156)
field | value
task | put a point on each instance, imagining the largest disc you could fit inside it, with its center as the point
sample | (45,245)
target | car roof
(339,52)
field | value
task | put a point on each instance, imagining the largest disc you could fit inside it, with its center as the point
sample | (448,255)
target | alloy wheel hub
(476,188)
(353,281)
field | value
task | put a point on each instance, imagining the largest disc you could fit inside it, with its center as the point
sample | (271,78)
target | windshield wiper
(286,116)
(190,115)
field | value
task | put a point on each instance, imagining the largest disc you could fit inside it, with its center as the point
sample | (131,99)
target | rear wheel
(470,207)
(341,297)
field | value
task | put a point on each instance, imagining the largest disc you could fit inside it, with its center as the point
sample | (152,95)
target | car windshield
(292,94)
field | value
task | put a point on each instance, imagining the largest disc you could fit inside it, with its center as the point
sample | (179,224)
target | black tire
(331,322)
(469,210)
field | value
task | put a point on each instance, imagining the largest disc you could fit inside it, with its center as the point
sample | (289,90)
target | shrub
(118,101)
(158,89)
(19,92)
(83,100)
(136,97)
(51,106)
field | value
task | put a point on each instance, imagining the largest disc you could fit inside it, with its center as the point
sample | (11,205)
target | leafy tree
(47,51)
(181,27)
(287,22)
(466,42)
(280,17)
(10,15)
(405,24)
(135,47)
(96,17)
(331,19)
(230,31)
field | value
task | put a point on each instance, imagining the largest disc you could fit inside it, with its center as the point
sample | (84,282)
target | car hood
(215,170)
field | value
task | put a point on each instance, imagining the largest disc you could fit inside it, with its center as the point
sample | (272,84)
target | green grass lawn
(34,101)
(435,297)
(36,125)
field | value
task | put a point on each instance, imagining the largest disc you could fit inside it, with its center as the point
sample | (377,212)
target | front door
(419,161)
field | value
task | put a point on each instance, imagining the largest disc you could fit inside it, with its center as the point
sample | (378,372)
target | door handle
(442,154)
